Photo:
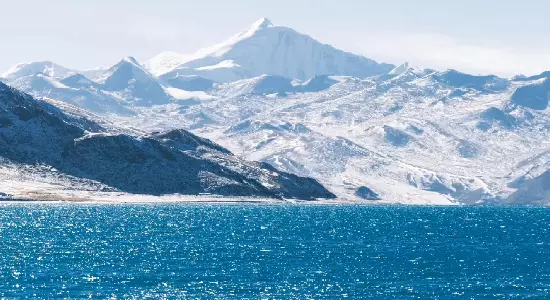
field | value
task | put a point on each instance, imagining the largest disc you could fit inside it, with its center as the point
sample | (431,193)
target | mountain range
(367,131)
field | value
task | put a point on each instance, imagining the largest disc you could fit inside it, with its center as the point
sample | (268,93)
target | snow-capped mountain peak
(219,50)
(264,48)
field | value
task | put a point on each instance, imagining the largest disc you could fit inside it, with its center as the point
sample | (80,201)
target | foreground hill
(75,152)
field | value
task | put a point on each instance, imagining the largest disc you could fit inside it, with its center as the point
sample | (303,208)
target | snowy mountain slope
(74,89)
(48,68)
(190,83)
(165,62)
(117,90)
(532,191)
(94,73)
(35,135)
(264,48)
(132,83)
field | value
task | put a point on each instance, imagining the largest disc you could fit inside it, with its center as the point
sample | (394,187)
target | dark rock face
(145,166)
(364,192)
(33,132)
(184,140)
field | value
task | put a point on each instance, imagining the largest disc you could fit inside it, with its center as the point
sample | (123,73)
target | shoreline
(165,199)
(131,199)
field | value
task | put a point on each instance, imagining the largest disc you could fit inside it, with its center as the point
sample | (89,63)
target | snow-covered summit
(220,49)
(264,48)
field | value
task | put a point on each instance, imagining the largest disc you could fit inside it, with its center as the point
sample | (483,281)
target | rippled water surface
(273,251)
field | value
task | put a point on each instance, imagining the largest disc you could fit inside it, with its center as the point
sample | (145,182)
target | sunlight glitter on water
(273,251)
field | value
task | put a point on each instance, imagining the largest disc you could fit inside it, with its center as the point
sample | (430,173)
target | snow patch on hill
(186,95)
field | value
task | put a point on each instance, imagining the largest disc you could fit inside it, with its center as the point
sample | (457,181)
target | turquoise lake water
(273,251)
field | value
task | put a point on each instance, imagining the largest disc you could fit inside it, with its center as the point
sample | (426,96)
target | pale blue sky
(479,36)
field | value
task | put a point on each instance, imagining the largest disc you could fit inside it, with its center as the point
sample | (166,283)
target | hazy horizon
(499,37)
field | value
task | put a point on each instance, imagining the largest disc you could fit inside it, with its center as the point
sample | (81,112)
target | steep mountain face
(280,184)
(268,49)
(164,62)
(34,134)
(131,82)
